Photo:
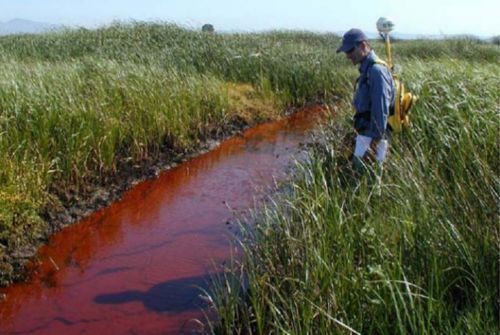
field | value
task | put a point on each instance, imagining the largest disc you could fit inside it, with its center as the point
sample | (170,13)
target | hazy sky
(479,17)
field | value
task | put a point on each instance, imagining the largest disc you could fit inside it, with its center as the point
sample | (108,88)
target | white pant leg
(362,145)
(382,148)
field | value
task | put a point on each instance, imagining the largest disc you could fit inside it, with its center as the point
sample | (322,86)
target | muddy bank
(70,206)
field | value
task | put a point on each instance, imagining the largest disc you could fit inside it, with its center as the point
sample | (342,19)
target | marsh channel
(138,265)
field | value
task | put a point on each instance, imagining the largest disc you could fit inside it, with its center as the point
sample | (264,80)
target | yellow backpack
(399,115)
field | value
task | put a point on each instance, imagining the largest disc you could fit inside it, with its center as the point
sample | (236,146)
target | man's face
(357,54)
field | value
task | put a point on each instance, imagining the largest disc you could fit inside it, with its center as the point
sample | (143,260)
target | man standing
(372,100)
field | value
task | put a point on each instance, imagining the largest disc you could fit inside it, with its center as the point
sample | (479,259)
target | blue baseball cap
(351,39)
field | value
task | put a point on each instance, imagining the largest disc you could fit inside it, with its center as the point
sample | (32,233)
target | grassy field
(415,254)
(79,107)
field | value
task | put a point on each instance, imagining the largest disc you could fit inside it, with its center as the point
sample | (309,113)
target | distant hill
(21,26)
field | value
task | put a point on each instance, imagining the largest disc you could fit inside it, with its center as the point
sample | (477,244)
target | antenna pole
(388,50)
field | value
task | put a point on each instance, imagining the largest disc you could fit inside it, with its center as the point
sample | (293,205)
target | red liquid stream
(135,267)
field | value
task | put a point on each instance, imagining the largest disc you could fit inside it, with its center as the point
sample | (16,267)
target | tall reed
(414,254)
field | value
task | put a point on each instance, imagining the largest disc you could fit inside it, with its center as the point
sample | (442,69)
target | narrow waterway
(137,266)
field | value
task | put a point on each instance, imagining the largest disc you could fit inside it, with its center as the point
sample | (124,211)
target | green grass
(79,105)
(419,254)
(416,254)
(76,106)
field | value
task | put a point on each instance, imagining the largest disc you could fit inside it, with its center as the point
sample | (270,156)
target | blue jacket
(373,98)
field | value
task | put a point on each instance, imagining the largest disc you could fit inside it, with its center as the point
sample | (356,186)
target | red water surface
(137,266)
